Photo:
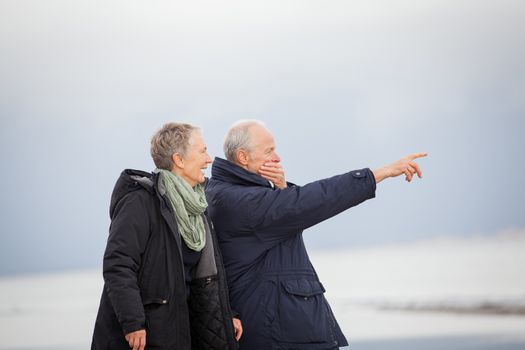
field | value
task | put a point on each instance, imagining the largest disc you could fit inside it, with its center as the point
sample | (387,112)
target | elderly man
(259,219)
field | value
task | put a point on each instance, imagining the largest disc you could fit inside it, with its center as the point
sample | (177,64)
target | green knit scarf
(189,204)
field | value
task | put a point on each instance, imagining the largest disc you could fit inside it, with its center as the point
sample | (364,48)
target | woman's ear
(178,161)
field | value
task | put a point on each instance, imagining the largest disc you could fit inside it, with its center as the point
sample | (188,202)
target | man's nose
(208,159)
(276,157)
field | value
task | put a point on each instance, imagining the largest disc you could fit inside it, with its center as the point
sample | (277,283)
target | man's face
(196,160)
(262,148)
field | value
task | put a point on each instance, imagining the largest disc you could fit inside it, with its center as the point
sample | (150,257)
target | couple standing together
(188,258)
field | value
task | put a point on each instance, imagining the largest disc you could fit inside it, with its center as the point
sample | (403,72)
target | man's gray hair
(238,137)
(170,139)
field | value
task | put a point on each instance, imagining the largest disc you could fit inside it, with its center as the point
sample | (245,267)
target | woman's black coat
(144,277)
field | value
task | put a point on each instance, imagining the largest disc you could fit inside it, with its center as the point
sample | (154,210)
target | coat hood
(226,171)
(131,180)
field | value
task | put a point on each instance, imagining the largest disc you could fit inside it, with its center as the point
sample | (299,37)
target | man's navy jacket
(272,282)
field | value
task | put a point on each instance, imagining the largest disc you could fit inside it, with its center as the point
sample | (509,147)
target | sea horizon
(447,293)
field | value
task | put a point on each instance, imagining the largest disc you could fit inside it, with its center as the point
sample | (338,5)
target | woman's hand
(137,339)
(237,326)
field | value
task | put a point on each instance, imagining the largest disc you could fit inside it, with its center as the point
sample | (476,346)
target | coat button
(358,173)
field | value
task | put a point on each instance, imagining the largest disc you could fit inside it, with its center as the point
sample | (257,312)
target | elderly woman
(164,279)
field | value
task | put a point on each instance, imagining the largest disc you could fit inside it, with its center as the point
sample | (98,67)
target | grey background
(342,84)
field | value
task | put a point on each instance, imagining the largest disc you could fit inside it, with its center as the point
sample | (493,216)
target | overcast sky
(342,84)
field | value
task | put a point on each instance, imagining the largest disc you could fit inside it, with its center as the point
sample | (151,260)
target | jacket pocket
(159,301)
(302,313)
(160,323)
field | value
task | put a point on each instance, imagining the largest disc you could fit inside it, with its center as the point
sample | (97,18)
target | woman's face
(195,160)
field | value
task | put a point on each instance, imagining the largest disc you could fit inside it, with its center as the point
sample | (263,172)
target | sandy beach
(445,293)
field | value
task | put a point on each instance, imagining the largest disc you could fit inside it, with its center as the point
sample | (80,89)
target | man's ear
(178,161)
(242,157)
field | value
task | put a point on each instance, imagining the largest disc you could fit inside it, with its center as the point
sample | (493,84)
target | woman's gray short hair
(170,139)
(238,137)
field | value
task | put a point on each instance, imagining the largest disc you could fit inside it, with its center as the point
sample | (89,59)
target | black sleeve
(128,236)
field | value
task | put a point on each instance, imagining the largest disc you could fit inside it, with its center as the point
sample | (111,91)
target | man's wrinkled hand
(405,165)
(137,339)
(274,172)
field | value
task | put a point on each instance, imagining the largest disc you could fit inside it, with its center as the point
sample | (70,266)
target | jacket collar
(226,171)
